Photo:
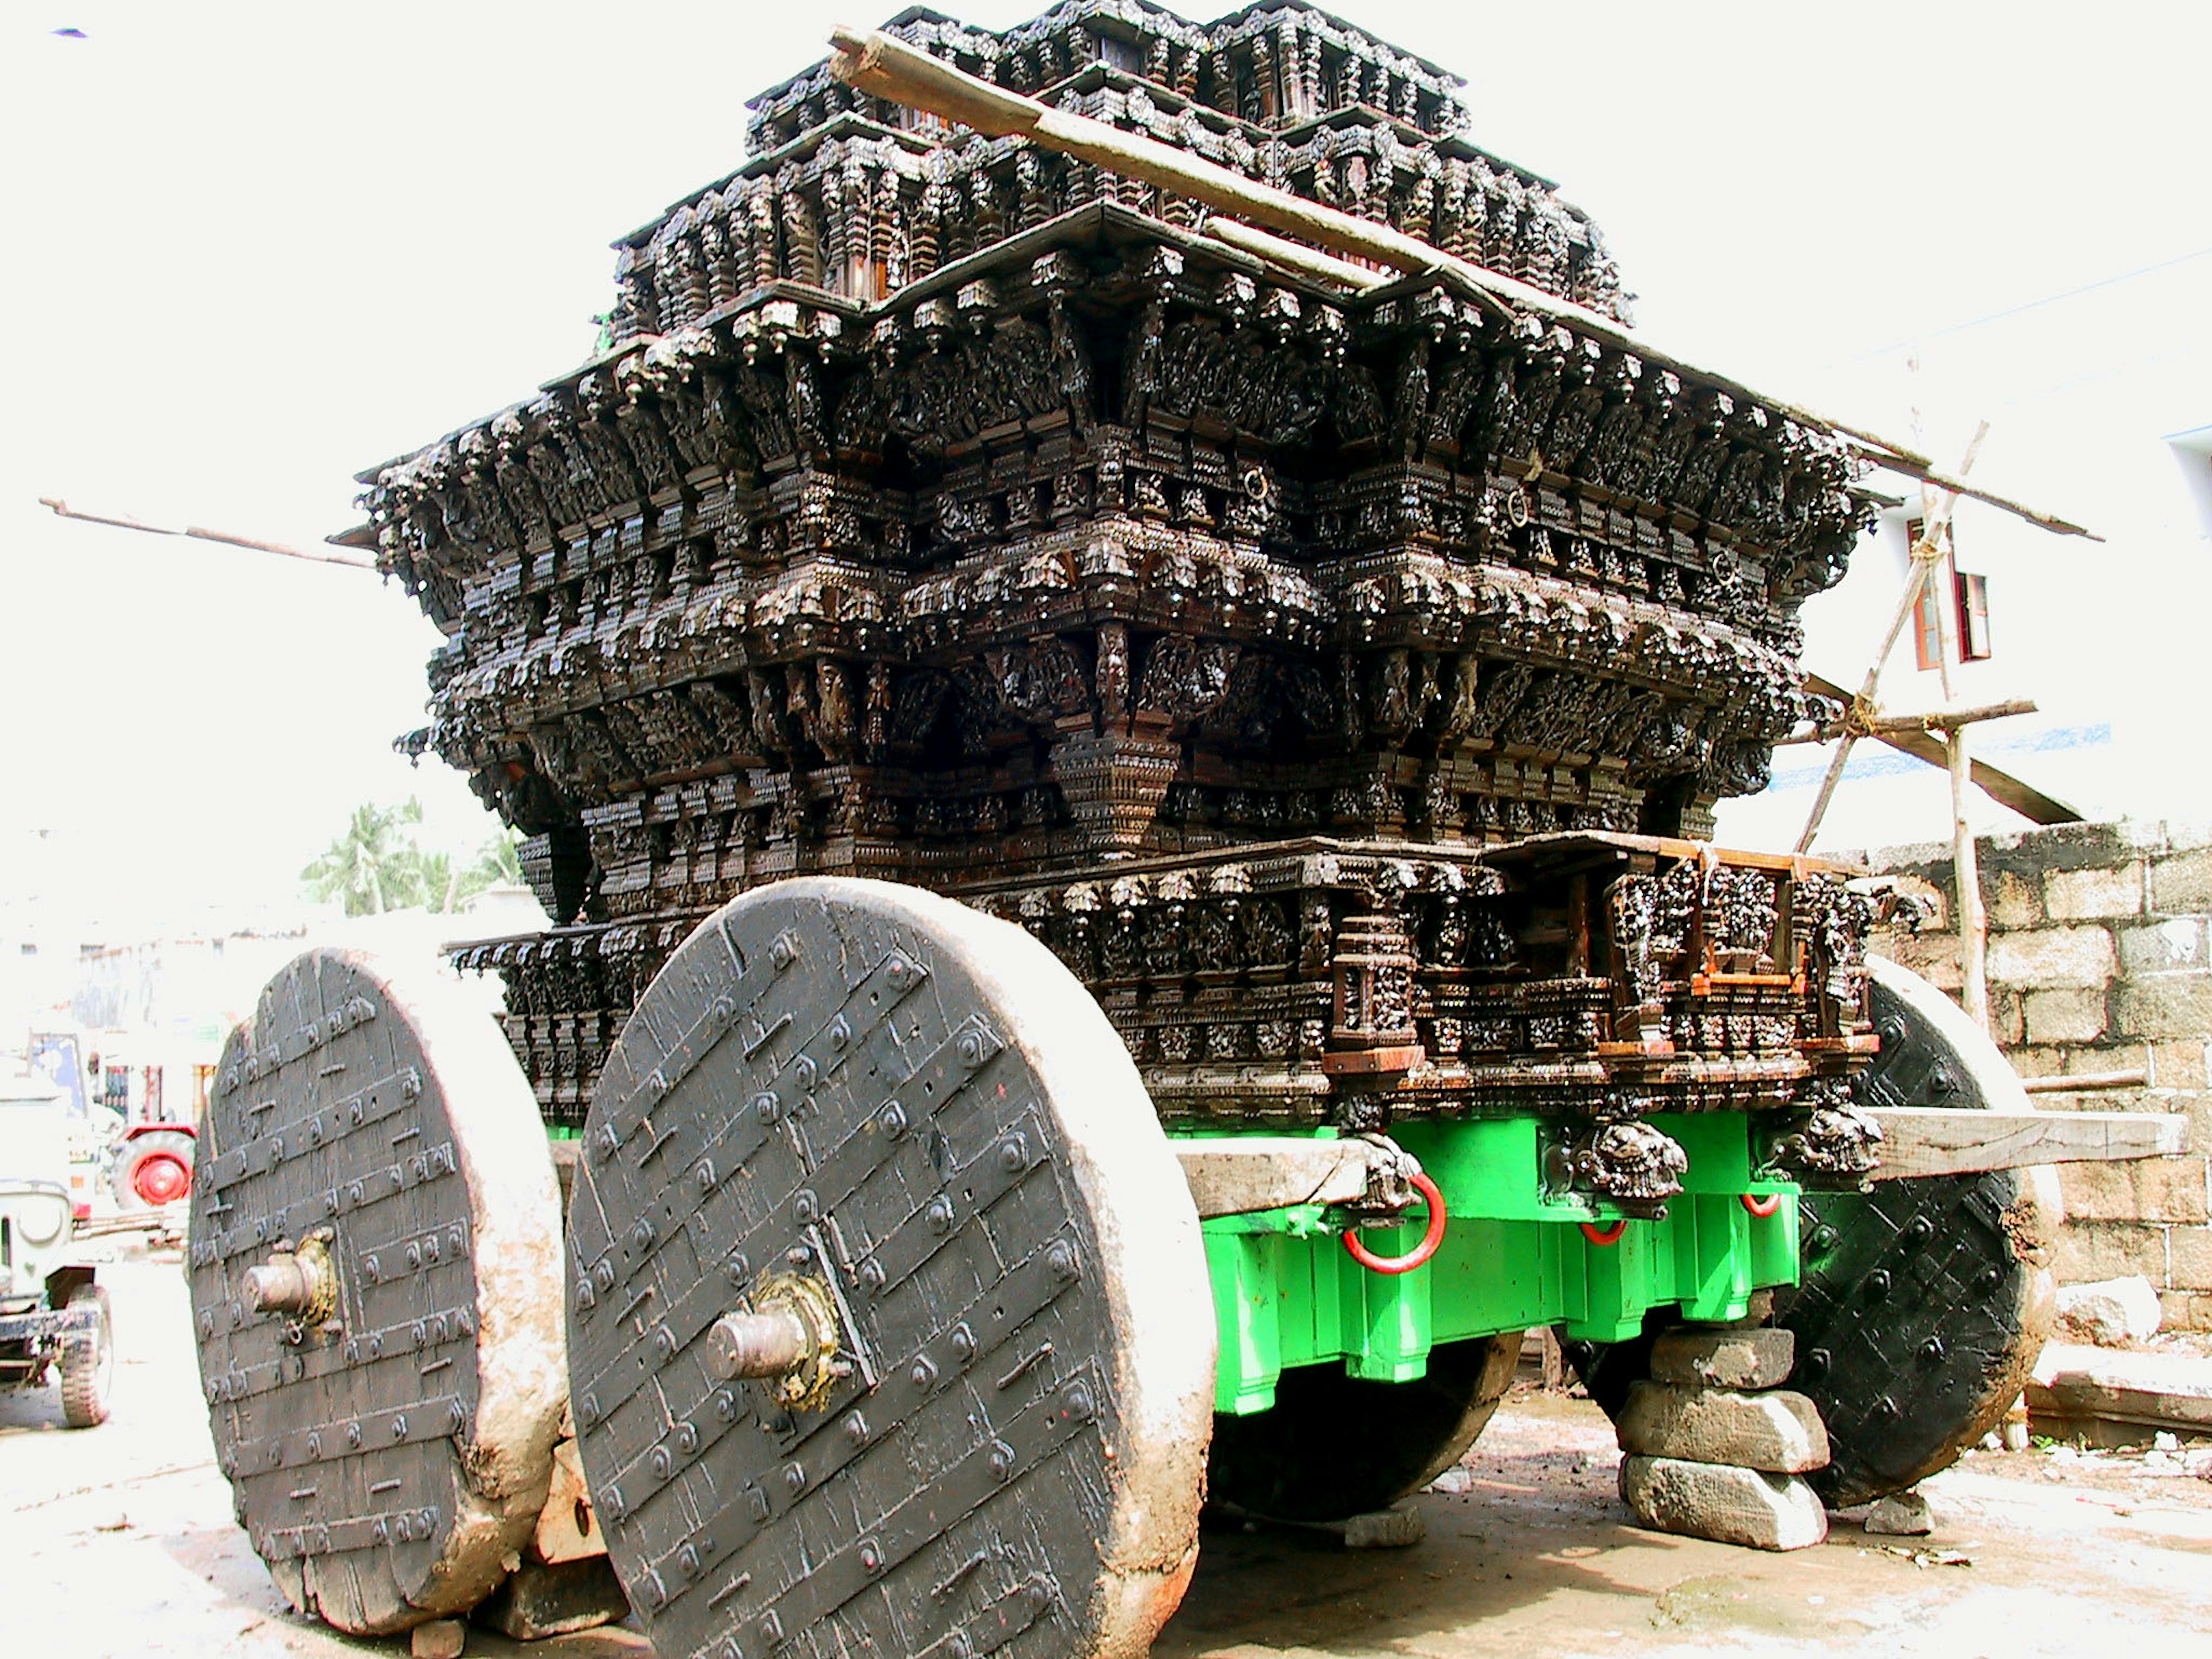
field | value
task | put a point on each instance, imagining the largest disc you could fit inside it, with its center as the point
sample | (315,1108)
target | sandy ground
(118,1540)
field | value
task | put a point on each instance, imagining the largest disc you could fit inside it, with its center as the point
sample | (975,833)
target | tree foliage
(380,864)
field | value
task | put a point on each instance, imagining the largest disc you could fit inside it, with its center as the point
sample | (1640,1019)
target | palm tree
(497,864)
(374,864)
(378,865)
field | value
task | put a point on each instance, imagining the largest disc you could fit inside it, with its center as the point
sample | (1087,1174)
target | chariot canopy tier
(946,510)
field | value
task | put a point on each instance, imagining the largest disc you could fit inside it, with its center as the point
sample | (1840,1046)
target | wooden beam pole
(1999,785)
(1934,719)
(62,509)
(1294,257)
(1929,1141)
(885,67)
(2134,1077)
(1236,1175)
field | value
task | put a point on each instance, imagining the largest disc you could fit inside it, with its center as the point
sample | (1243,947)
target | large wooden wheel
(1333,1445)
(373,1224)
(1920,1306)
(887,1307)
(1923,1303)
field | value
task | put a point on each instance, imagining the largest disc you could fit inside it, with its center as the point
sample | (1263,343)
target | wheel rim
(161,1178)
(1296,1462)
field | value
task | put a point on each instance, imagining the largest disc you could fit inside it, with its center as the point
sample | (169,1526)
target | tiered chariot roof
(945,509)
(859,195)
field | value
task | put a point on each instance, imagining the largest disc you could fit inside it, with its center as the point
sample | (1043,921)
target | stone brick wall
(2098,962)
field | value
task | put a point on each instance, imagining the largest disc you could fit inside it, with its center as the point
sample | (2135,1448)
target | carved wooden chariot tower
(1314,691)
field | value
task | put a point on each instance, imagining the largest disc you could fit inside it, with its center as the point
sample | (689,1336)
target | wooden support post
(1966,863)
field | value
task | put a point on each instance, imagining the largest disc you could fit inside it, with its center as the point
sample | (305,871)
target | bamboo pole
(62,509)
(1916,578)
(1936,720)
(1999,785)
(1965,859)
(1935,525)
(884,67)
(1950,718)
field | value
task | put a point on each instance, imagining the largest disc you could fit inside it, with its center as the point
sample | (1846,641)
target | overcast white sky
(255,248)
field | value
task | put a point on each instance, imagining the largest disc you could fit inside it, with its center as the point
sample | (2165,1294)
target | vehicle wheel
(1921,1306)
(153,1171)
(387,1423)
(1923,1303)
(910,1128)
(1296,1461)
(89,1364)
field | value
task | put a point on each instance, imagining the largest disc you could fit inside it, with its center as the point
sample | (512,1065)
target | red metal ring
(1598,1234)
(1421,1252)
(1763,1207)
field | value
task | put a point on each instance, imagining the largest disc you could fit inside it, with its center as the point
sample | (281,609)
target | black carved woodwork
(945,511)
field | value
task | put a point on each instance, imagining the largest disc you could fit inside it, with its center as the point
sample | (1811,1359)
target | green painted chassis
(1513,1255)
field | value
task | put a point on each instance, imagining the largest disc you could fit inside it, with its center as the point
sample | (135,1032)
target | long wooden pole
(884,67)
(1966,860)
(1293,256)
(62,509)
(1936,720)
(1950,717)
(1936,523)
(1999,785)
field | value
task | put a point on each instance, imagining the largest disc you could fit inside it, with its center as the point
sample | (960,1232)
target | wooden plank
(567,1529)
(2024,798)
(2119,1399)
(1236,1176)
(1919,1141)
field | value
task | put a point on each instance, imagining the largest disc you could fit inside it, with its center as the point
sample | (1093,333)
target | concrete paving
(118,1540)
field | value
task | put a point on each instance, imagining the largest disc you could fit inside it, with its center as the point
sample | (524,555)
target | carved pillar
(1114,783)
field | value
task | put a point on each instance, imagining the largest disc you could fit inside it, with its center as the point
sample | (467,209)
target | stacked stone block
(1716,1448)
(2100,962)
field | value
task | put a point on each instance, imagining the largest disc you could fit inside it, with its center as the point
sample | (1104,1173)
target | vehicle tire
(1922,1305)
(154,1169)
(1295,1461)
(88,1368)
